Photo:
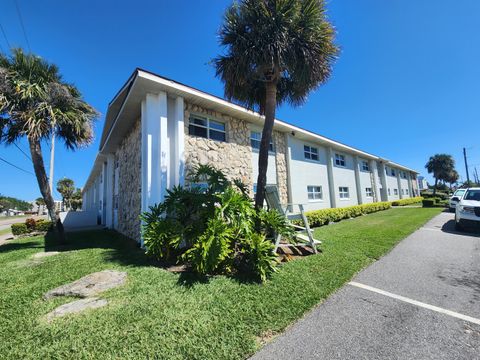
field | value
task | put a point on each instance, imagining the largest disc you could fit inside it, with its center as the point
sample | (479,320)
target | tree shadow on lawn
(20,246)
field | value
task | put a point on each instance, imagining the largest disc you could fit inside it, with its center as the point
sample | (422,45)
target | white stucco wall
(404,185)
(365,182)
(345,177)
(304,173)
(392,184)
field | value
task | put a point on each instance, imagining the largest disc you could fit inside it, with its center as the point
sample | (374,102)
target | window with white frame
(310,152)
(392,172)
(314,192)
(343,192)
(395,191)
(256,139)
(365,166)
(206,128)
(406,192)
(368,192)
(340,160)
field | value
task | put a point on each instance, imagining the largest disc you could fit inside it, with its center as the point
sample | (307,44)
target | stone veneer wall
(129,156)
(281,154)
(234,156)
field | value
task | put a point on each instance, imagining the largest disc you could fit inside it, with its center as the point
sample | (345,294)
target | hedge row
(408,201)
(30,226)
(434,202)
(318,218)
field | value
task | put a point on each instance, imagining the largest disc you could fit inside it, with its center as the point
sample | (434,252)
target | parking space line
(417,303)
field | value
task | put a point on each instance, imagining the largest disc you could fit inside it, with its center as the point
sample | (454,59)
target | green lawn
(159,314)
(5,231)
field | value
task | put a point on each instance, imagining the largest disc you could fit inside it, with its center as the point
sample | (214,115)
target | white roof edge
(192,91)
(195,92)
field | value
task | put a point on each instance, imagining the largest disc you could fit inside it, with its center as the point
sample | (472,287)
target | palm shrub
(215,229)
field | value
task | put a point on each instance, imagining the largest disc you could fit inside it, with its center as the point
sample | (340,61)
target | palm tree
(66,187)
(35,102)
(39,202)
(441,166)
(276,51)
(452,177)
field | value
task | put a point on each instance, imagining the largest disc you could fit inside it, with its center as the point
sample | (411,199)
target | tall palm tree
(35,102)
(276,51)
(441,166)
(66,188)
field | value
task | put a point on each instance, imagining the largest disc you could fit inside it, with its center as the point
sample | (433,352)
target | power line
(23,152)
(15,166)
(5,36)
(22,25)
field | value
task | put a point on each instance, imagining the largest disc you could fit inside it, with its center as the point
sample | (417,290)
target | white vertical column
(155,149)
(356,164)
(178,157)
(399,184)
(331,178)
(289,170)
(383,181)
(110,160)
(410,185)
(375,180)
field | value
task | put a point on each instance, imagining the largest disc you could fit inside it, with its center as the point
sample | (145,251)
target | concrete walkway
(421,301)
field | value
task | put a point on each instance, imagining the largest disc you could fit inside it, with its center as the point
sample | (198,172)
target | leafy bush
(43,225)
(31,224)
(19,229)
(428,202)
(407,201)
(216,227)
(322,217)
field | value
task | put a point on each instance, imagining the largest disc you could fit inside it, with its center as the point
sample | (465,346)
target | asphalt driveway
(421,301)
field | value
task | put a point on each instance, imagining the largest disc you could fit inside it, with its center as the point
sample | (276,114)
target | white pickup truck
(467,212)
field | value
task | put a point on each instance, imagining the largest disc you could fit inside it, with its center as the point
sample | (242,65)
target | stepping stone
(90,285)
(75,307)
(41,255)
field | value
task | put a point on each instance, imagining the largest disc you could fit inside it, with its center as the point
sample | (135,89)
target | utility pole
(476,175)
(466,165)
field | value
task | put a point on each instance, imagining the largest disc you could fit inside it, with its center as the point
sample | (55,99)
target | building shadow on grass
(449,227)
(118,248)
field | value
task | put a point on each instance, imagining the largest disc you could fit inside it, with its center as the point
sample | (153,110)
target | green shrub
(322,217)
(19,229)
(259,257)
(43,225)
(428,202)
(408,201)
(217,228)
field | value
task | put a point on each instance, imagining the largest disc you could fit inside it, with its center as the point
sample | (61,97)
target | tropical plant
(441,166)
(35,102)
(76,199)
(215,226)
(66,188)
(452,177)
(39,202)
(276,51)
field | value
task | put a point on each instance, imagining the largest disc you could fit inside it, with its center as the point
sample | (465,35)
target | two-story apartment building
(156,130)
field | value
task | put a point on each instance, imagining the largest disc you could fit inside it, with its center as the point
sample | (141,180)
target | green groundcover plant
(214,228)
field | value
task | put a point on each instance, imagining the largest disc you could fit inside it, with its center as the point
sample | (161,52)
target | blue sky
(406,84)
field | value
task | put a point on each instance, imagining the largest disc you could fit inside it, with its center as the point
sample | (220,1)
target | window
(472,195)
(368,192)
(202,187)
(343,192)
(403,191)
(365,166)
(389,192)
(206,128)
(256,138)
(314,192)
(395,191)
(386,170)
(310,152)
(339,160)
(406,192)
(392,172)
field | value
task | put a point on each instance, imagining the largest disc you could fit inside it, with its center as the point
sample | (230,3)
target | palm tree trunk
(270,106)
(39,167)
(435,187)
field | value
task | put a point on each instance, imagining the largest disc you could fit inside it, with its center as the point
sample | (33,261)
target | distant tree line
(7,202)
